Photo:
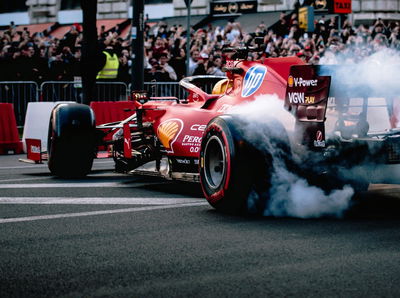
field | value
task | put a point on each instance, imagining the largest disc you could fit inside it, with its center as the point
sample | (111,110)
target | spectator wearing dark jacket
(156,73)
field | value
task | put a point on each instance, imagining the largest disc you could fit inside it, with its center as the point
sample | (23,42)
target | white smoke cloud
(375,77)
(293,196)
(264,107)
(379,71)
(290,194)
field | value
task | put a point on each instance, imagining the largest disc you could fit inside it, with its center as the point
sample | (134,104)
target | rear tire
(71,140)
(232,169)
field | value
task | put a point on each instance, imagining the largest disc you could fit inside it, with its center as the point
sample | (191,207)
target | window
(70,4)
(13,6)
(155,1)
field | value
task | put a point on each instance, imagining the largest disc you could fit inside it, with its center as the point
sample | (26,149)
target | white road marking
(23,167)
(103,161)
(97,201)
(23,179)
(101,212)
(33,166)
(71,185)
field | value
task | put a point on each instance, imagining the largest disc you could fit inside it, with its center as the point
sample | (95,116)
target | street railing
(72,91)
(20,93)
(158,89)
(60,91)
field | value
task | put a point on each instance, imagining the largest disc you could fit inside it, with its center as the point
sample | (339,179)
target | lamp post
(188,5)
(89,47)
(137,36)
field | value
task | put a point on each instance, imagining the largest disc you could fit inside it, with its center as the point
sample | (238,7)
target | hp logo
(253,80)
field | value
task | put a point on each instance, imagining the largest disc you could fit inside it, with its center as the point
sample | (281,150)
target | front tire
(71,141)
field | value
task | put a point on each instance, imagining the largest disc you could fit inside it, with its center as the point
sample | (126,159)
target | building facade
(64,11)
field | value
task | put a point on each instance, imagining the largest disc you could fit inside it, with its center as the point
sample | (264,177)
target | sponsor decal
(190,139)
(198,127)
(193,141)
(224,108)
(296,97)
(290,81)
(253,80)
(183,161)
(300,98)
(319,139)
(300,82)
(194,149)
(230,64)
(168,131)
(310,99)
(35,149)
(127,141)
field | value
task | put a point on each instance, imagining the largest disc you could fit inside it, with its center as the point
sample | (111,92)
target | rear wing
(306,98)
(342,101)
(307,93)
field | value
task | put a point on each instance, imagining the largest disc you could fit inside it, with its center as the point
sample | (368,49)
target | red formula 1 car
(202,142)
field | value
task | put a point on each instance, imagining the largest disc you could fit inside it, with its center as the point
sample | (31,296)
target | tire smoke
(289,194)
(374,78)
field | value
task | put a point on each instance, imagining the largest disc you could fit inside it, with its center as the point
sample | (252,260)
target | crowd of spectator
(41,57)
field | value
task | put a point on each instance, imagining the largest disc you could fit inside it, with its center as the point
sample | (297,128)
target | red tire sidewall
(214,195)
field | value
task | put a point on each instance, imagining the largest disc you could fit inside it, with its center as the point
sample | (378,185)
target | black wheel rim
(214,162)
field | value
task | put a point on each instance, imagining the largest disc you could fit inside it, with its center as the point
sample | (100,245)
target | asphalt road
(116,235)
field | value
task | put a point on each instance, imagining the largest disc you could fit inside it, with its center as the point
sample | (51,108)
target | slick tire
(233,169)
(71,140)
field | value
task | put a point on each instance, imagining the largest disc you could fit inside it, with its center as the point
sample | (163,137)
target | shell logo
(168,131)
(290,81)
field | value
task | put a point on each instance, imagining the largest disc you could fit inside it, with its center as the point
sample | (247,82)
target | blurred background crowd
(41,57)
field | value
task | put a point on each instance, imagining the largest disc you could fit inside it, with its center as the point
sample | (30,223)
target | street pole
(188,4)
(137,36)
(89,50)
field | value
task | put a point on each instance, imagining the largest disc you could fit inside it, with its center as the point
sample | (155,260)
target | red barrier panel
(9,138)
(111,111)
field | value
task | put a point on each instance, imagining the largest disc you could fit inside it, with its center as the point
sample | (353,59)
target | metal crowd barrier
(19,94)
(157,89)
(72,91)
(60,91)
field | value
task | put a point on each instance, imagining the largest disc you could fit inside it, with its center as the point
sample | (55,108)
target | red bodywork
(180,127)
